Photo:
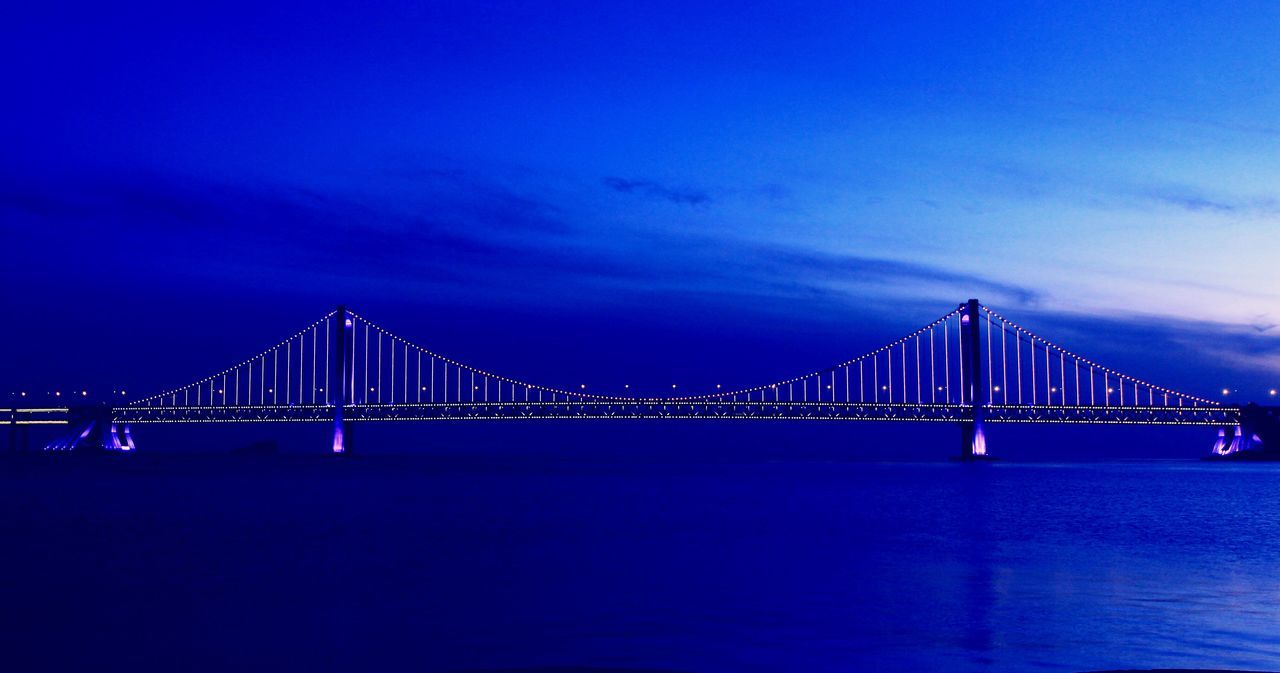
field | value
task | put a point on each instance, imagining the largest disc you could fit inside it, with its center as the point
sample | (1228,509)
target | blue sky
(598,192)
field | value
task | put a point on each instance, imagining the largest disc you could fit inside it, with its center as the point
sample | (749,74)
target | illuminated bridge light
(1271,392)
(1226,391)
(933,364)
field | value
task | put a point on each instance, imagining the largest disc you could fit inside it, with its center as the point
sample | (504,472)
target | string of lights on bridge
(922,368)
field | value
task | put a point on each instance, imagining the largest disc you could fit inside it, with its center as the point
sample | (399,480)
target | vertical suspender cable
(990,365)
(1004,364)
(1017,343)
(888,358)
(1062,378)
(904,372)
(919,397)
(933,379)
(1033,371)
(1048,378)
(946,361)
(960,354)
(327,396)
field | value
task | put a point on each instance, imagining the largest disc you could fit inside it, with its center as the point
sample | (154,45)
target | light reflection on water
(288,563)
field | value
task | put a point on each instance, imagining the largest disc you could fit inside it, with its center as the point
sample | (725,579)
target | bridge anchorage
(972,366)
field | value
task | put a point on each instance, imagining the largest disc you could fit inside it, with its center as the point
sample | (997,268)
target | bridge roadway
(675,409)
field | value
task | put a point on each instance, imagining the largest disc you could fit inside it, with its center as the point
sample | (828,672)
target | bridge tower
(973,442)
(343,373)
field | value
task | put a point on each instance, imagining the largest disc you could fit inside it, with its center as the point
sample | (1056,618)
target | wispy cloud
(841,269)
(1196,200)
(655,190)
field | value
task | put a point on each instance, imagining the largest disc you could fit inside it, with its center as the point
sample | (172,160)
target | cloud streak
(655,190)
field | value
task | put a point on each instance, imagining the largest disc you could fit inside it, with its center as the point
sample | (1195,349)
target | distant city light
(996,389)
(1226,391)
(1271,392)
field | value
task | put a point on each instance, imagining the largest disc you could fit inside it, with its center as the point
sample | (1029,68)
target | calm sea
(186,563)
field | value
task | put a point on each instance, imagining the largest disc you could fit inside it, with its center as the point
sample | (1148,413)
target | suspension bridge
(972,366)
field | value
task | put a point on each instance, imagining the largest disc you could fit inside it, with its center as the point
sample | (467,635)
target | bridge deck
(32,416)
(665,409)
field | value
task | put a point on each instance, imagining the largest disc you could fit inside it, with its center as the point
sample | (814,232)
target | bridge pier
(1257,435)
(92,429)
(973,441)
(343,373)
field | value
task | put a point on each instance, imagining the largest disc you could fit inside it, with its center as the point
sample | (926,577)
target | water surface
(297,563)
